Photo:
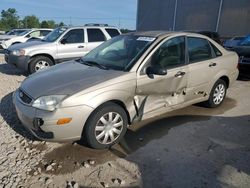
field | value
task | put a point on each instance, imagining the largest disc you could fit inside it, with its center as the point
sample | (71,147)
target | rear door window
(112,32)
(198,49)
(95,35)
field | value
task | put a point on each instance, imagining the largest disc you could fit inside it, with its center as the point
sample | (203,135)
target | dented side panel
(160,92)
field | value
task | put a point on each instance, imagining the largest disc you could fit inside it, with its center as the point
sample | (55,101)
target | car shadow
(11,70)
(199,151)
(8,112)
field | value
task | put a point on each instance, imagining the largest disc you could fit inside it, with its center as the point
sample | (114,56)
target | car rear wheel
(38,63)
(217,94)
(106,126)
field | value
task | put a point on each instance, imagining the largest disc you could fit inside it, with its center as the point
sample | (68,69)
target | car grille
(24,97)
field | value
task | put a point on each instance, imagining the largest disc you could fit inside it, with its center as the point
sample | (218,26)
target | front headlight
(20,52)
(48,103)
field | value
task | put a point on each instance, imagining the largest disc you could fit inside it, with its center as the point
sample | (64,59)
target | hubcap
(41,65)
(108,128)
(219,94)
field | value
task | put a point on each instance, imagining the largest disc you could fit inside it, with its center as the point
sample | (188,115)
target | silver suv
(64,43)
(127,79)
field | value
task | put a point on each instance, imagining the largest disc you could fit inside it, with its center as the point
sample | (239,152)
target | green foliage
(44,24)
(31,22)
(9,19)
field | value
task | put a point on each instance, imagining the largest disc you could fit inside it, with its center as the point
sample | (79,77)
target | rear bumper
(43,124)
(20,62)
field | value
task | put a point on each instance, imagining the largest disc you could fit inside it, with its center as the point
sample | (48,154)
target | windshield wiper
(93,63)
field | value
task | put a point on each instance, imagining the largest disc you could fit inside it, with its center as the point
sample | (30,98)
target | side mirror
(28,36)
(63,41)
(156,71)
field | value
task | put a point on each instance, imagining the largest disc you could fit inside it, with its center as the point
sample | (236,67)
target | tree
(51,23)
(48,24)
(31,22)
(61,24)
(44,24)
(9,19)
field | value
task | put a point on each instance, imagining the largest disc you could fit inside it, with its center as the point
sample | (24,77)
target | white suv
(9,40)
(64,43)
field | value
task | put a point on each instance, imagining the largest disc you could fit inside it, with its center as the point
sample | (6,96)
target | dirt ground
(191,147)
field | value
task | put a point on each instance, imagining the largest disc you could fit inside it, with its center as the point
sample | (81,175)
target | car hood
(27,45)
(6,36)
(66,79)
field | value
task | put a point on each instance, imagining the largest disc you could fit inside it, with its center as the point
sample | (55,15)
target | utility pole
(119,23)
(219,16)
(175,14)
(70,22)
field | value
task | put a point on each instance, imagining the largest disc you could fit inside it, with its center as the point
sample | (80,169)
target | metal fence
(228,17)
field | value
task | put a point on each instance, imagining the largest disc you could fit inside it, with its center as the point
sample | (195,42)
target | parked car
(243,50)
(64,43)
(127,79)
(228,44)
(16,31)
(211,34)
(9,40)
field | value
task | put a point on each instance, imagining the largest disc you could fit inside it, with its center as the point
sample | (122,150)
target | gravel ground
(191,147)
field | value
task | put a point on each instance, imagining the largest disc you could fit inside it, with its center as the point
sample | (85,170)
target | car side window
(198,49)
(34,34)
(217,52)
(74,36)
(112,32)
(170,54)
(95,35)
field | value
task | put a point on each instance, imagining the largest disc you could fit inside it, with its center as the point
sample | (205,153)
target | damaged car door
(162,80)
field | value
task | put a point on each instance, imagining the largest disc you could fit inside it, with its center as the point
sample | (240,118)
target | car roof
(162,34)
(88,26)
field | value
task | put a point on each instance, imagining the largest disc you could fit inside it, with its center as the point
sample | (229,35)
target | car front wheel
(38,63)
(217,95)
(106,126)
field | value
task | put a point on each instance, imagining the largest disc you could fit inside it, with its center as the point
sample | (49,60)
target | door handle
(80,46)
(180,74)
(212,64)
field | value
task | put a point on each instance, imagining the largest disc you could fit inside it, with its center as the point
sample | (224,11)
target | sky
(120,13)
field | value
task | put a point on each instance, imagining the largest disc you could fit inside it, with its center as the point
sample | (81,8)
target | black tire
(89,132)
(37,59)
(210,103)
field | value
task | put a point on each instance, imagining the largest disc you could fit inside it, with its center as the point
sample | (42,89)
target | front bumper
(43,124)
(20,62)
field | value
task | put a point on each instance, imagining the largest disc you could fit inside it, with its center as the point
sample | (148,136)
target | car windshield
(15,32)
(119,53)
(23,33)
(55,34)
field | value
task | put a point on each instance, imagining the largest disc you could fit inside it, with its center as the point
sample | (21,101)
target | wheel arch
(226,80)
(117,102)
(43,54)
